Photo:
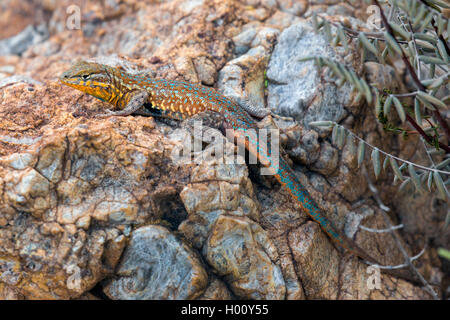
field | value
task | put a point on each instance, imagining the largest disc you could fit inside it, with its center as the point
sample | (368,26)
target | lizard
(179,100)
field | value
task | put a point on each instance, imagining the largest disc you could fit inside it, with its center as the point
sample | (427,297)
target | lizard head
(92,78)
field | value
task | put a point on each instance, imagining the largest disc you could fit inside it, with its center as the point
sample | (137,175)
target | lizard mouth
(65,79)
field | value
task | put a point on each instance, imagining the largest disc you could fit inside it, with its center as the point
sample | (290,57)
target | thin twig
(405,95)
(390,155)
(403,265)
(381,230)
(408,259)
(424,134)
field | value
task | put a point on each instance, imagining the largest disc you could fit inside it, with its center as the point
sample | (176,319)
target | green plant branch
(416,80)
(436,30)
(332,123)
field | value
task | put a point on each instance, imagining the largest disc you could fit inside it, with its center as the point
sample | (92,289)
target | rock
(22,41)
(240,251)
(242,79)
(297,8)
(381,76)
(77,192)
(15,16)
(282,20)
(157,265)
(65,254)
(206,70)
(216,190)
(217,290)
(384,288)
(320,278)
(295,87)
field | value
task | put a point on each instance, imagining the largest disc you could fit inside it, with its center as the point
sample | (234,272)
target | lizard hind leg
(260,113)
(208,119)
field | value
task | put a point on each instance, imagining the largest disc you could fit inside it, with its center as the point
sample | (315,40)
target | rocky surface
(88,202)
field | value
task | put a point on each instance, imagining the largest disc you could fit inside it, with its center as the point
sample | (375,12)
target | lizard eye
(85,76)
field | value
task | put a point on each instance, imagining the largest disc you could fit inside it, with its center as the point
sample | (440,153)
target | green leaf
(433,100)
(442,51)
(367,91)
(367,44)
(404,184)
(448,29)
(424,44)
(443,164)
(431,60)
(419,16)
(346,73)
(334,134)
(307,58)
(440,25)
(400,31)
(440,3)
(396,169)
(341,137)
(334,67)
(385,162)
(321,123)
(430,180)
(395,180)
(385,52)
(357,82)
(387,105)
(392,43)
(376,162)
(426,21)
(361,152)
(426,103)
(417,111)
(444,253)
(440,185)
(400,110)
(414,177)
(377,104)
(435,83)
(425,36)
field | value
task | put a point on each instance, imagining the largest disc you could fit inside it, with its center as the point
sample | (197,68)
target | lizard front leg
(135,102)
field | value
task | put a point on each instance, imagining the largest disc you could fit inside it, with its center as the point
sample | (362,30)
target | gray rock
(242,79)
(17,44)
(296,88)
(157,265)
(18,79)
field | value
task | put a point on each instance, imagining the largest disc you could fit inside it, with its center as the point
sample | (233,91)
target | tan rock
(239,250)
